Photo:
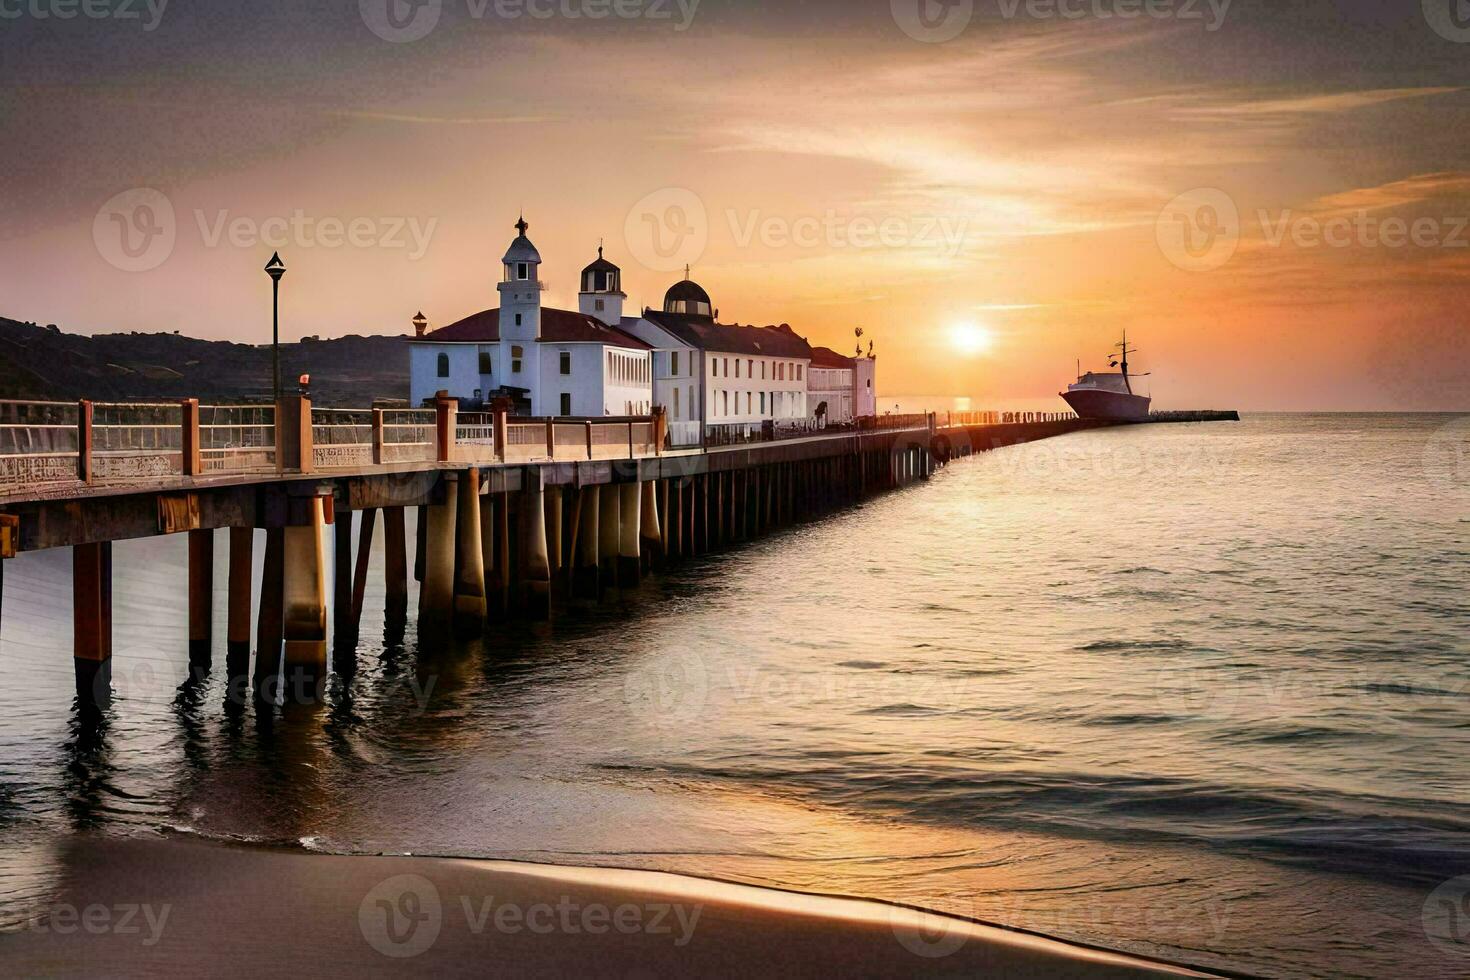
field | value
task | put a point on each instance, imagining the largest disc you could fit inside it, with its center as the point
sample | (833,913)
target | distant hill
(39,362)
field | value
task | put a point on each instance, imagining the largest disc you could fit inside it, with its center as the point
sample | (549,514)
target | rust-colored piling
(201,597)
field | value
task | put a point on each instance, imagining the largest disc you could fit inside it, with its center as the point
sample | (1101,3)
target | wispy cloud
(417,119)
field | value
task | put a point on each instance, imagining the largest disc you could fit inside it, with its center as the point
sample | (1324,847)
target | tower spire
(521,224)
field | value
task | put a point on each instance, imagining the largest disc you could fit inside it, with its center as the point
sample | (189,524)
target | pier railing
(61,443)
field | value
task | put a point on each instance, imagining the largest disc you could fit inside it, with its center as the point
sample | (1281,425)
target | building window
(725,361)
(676,403)
(518,319)
(747,403)
(714,368)
(737,367)
(597,304)
(673,364)
(726,401)
(798,372)
(749,367)
(443,363)
(566,364)
(763,370)
(763,403)
(523,270)
(566,403)
(485,362)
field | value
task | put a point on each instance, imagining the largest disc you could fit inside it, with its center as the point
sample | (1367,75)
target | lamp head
(275,268)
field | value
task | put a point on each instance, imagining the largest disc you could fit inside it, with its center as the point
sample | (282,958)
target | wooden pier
(514,515)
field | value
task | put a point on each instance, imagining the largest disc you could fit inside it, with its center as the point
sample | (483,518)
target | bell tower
(602,291)
(519,365)
(520,290)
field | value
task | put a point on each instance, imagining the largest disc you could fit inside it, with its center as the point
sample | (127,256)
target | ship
(1108,395)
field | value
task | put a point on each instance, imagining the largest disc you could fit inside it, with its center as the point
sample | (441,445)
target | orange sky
(826,170)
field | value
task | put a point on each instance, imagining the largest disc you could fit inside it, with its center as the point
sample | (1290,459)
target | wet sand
(135,907)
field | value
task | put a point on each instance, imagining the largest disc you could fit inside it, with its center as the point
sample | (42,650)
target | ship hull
(1114,406)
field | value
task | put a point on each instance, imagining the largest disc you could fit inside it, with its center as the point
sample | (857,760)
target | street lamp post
(275,268)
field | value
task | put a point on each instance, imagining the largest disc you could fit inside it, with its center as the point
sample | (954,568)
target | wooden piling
(342,632)
(469,560)
(304,608)
(609,530)
(395,565)
(551,504)
(436,594)
(535,559)
(237,629)
(650,525)
(630,537)
(360,572)
(92,622)
(268,617)
(586,583)
(201,597)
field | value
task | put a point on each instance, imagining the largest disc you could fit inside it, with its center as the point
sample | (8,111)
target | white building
(547,361)
(710,373)
(841,388)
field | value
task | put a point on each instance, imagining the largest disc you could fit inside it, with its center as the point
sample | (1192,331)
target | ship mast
(1126,351)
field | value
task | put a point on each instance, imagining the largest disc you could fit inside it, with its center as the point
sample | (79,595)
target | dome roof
(686,291)
(521,250)
(600,264)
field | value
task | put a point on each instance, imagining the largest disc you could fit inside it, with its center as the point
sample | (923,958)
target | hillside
(39,362)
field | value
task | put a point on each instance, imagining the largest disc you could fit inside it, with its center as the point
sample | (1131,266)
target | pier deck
(512,514)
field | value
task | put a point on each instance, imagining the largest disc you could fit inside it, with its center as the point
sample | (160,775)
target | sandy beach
(178,907)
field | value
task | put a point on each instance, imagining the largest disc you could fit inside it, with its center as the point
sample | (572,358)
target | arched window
(443,360)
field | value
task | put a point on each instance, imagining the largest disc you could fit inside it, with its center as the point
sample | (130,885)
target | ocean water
(1201,692)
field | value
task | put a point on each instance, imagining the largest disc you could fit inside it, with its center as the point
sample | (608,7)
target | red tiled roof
(557,327)
(829,358)
(707,335)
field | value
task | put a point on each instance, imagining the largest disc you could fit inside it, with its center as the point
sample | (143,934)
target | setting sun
(970,338)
